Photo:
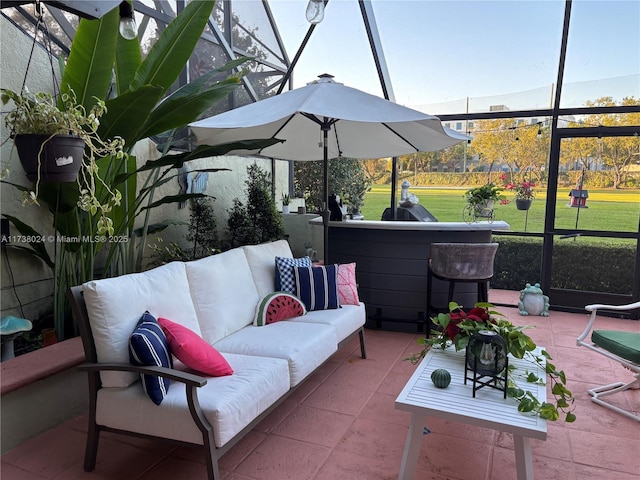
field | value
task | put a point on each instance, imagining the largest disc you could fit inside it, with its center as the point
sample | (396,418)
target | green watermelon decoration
(441,378)
(278,306)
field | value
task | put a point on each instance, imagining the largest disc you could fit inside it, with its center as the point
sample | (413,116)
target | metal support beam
(370,25)
(554,158)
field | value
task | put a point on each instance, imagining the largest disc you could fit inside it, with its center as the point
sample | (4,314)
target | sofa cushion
(193,351)
(304,346)
(223,292)
(278,306)
(148,347)
(114,306)
(285,281)
(347,286)
(261,262)
(229,403)
(345,320)
(317,287)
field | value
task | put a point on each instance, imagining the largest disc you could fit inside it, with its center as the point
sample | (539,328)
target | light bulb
(315,11)
(128,28)
(487,356)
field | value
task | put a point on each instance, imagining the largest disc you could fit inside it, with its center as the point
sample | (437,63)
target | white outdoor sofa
(216,297)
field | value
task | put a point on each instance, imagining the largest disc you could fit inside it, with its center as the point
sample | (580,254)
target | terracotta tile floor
(342,425)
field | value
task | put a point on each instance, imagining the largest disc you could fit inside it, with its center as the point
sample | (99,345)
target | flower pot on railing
(523,203)
(49,158)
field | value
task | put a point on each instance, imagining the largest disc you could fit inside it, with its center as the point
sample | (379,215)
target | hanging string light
(128,28)
(315,11)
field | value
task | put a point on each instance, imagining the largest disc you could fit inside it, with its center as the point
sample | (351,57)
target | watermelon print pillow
(188,347)
(347,286)
(284,281)
(317,287)
(278,306)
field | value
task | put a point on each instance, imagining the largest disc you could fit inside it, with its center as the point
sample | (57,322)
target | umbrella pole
(325,190)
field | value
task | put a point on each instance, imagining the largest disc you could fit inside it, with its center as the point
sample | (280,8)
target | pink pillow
(347,286)
(193,351)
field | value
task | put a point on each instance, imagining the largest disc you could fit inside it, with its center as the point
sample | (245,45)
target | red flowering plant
(521,191)
(458,326)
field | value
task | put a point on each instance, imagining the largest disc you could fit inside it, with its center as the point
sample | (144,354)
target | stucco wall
(25,279)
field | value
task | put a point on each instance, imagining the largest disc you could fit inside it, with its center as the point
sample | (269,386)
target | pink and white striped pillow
(347,286)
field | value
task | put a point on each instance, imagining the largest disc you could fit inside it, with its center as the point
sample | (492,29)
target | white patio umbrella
(324,120)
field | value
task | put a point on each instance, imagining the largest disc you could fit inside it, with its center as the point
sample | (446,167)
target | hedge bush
(594,267)
(470,179)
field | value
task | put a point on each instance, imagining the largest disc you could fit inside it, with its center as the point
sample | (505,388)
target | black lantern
(486,359)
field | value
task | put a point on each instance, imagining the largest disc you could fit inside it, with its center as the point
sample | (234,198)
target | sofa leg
(213,471)
(91,449)
(363,350)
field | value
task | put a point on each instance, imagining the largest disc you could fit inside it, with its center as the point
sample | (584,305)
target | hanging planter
(48,158)
(57,141)
(523,203)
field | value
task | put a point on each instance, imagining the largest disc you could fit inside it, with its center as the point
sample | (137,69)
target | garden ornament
(407,199)
(10,328)
(533,301)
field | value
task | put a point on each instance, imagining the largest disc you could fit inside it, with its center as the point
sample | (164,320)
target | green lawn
(607,209)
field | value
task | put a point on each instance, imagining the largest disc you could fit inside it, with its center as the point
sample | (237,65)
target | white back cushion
(116,304)
(262,262)
(223,293)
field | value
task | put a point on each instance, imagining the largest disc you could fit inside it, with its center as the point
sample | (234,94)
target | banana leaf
(203,151)
(128,59)
(175,199)
(157,227)
(185,105)
(170,53)
(37,248)
(89,66)
(127,113)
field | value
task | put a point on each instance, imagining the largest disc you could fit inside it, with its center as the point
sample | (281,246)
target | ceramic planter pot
(59,161)
(523,204)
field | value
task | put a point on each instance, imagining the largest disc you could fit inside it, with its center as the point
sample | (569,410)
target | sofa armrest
(177,375)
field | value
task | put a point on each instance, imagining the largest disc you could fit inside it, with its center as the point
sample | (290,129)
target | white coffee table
(489,409)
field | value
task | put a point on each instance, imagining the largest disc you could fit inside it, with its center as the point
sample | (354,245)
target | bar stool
(461,262)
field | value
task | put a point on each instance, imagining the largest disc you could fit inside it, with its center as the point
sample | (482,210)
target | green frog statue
(533,301)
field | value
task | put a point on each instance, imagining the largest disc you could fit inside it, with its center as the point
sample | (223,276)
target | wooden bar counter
(391,264)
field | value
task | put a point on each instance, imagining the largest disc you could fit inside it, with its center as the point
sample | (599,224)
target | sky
(447,50)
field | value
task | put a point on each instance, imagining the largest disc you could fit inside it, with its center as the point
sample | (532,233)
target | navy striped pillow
(148,347)
(317,287)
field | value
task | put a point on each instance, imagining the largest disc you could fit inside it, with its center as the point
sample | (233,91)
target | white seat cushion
(304,345)
(223,292)
(229,403)
(344,320)
(116,304)
(262,261)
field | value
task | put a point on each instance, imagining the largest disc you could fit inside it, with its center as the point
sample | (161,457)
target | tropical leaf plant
(138,105)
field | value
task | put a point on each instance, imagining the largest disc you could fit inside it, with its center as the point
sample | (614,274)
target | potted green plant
(456,328)
(59,142)
(484,197)
(286,199)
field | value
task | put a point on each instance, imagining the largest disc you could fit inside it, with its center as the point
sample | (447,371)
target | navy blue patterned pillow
(284,281)
(148,347)
(317,287)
